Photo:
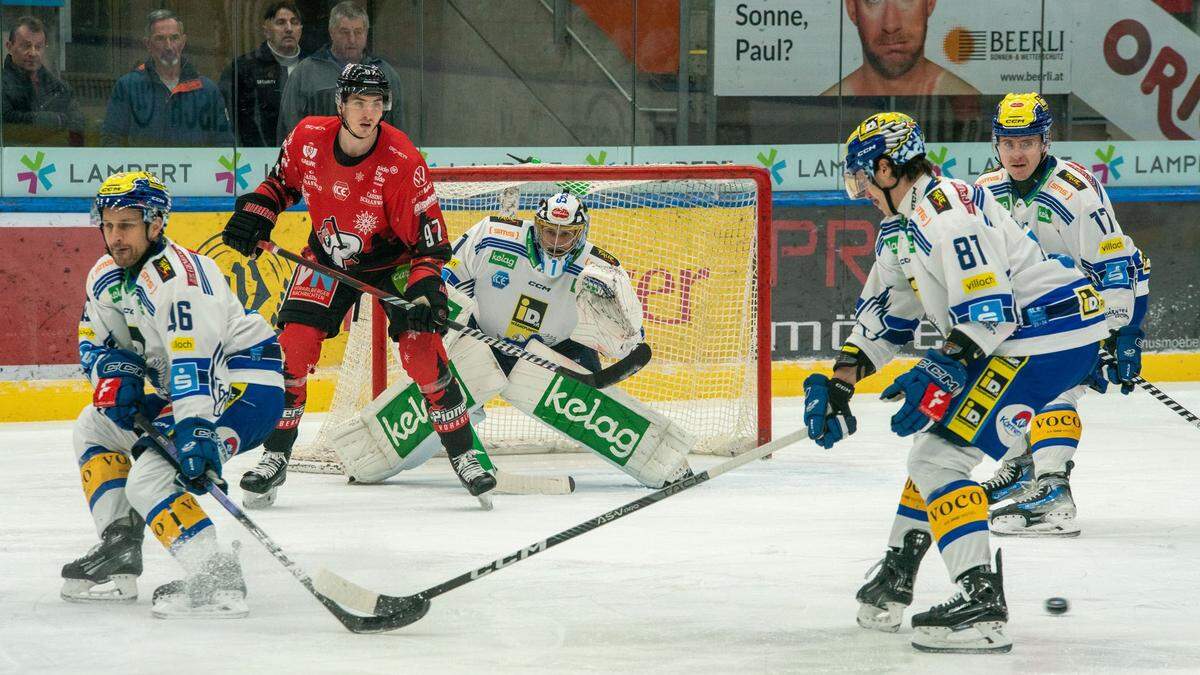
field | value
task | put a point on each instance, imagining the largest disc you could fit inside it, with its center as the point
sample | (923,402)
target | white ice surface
(753,572)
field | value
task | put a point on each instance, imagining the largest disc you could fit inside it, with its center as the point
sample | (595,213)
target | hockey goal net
(695,242)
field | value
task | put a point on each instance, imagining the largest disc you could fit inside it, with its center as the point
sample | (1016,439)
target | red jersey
(368,213)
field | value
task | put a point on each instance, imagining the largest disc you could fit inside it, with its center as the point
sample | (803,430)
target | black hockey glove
(428,311)
(252,221)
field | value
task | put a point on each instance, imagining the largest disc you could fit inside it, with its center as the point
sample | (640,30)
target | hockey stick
(415,606)
(1157,393)
(605,377)
(352,622)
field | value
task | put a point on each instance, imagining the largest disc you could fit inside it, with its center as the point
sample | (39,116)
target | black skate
(471,474)
(218,591)
(261,484)
(1013,480)
(109,572)
(1048,512)
(882,599)
(972,621)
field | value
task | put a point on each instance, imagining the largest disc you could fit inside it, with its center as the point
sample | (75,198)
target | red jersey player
(373,209)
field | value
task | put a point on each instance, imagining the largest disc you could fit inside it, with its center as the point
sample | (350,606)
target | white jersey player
(1015,324)
(541,285)
(160,313)
(1069,212)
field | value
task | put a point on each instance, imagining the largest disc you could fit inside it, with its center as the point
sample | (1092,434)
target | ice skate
(109,571)
(471,474)
(218,591)
(883,598)
(261,484)
(972,621)
(1048,512)
(1012,480)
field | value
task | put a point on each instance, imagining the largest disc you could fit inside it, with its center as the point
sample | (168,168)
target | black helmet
(363,78)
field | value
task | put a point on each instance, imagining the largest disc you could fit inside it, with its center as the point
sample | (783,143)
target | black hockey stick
(352,622)
(415,606)
(605,377)
(1157,393)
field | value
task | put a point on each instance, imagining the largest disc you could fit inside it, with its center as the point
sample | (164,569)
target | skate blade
(179,607)
(119,589)
(485,501)
(256,500)
(1015,526)
(985,637)
(886,620)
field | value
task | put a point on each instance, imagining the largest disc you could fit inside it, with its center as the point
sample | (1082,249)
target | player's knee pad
(394,432)
(176,519)
(610,423)
(1055,425)
(934,462)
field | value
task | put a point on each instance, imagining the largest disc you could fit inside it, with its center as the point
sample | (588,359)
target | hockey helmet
(133,189)
(1022,115)
(363,78)
(891,134)
(559,233)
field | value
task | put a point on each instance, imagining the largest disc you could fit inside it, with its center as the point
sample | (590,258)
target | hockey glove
(252,221)
(827,409)
(1124,345)
(428,311)
(199,453)
(120,378)
(927,390)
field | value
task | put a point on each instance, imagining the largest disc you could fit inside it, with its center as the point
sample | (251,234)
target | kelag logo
(1109,161)
(36,173)
(234,172)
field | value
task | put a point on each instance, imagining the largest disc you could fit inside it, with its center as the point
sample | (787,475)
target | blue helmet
(891,134)
(1022,115)
(133,189)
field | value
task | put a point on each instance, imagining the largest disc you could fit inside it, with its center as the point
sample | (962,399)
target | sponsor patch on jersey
(165,271)
(964,195)
(422,205)
(185,379)
(183,344)
(1072,180)
(188,270)
(1044,215)
(309,150)
(605,256)
(313,287)
(1060,190)
(938,198)
(419,178)
(114,293)
(983,395)
(1091,302)
(979,282)
(341,190)
(1116,273)
(1012,422)
(503,259)
(986,311)
(503,233)
(529,314)
(500,279)
(1112,245)
(515,222)
(540,287)
(922,215)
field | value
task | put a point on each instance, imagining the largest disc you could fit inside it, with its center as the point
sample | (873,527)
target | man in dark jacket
(39,108)
(253,83)
(164,101)
(311,90)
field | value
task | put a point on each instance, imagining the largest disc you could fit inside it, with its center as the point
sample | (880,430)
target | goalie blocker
(392,433)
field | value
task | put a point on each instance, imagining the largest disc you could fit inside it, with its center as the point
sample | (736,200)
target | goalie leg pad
(394,433)
(621,430)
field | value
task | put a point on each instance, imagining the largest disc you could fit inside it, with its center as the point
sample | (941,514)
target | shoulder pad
(605,256)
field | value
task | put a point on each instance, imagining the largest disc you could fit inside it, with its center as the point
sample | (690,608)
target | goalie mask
(559,232)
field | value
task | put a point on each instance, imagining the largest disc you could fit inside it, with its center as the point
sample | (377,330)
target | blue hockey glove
(120,385)
(199,453)
(1096,379)
(927,390)
(827,409)
(1124,345)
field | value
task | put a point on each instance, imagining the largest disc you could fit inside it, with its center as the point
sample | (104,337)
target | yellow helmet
(137,189)
(891,134)
(1022,115)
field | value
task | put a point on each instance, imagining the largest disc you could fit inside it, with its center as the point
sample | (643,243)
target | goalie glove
(610,314)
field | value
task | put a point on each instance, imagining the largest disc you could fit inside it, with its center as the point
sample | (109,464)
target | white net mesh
(690,248)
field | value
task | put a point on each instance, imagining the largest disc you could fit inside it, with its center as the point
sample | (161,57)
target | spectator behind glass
(164,101)
(260,75)
(312,88)
(38,107)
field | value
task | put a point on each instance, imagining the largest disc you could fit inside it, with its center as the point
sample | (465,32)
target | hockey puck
(1057,605)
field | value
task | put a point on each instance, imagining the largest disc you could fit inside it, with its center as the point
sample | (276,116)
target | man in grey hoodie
(311,88)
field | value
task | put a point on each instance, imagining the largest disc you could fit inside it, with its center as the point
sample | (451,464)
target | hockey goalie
(539,284)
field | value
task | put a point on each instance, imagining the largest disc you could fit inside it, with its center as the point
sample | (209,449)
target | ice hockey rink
(753,572)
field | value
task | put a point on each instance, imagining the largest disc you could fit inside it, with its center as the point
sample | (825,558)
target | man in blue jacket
(164,101)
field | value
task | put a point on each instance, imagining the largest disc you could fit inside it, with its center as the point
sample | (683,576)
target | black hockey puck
(1057,605)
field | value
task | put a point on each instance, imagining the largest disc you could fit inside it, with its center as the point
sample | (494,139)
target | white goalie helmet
(559,233)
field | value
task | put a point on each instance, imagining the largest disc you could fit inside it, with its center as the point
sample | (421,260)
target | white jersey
(1070,214)
(954,256)
(180,315)
(491,263)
